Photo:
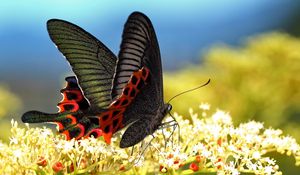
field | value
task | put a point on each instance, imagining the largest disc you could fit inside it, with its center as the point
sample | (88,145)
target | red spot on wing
(72,119)
(82,129)
(107,137)
(68,106)
(73,98)
(97,132)
(106,123)
(67,134)
(59,125)
(73,101)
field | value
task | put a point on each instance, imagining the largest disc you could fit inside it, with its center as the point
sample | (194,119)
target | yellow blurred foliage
(9,105)
(259,80)
(9,102)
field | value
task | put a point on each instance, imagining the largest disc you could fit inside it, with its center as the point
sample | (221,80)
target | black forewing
(139,48)
(92,62)
(139,37)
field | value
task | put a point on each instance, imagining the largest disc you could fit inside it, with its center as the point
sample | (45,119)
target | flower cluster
(221,147)
(257,79)
(39,150)
(206,143)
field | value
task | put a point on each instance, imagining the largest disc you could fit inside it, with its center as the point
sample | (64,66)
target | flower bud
(41,161)
(194,167)
(57,167)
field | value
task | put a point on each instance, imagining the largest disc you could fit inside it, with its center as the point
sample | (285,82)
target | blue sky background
(34,69)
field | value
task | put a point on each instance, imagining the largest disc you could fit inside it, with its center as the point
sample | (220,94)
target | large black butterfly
(108,93)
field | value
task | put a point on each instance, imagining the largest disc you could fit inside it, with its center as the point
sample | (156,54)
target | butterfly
(108,93)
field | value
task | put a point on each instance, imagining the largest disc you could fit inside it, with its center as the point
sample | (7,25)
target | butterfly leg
(142,144)
(177,125)
(144,149)
(172,134)
(132,149)
(166,125)
(173,123)
(174,126)
(162,131)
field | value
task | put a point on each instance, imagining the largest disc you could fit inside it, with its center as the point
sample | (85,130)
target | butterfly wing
(73,98)
(94,65)
(139,49)
(70,119)
(91,61)
(141,113)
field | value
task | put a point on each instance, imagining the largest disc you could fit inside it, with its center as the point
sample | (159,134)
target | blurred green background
(249,49)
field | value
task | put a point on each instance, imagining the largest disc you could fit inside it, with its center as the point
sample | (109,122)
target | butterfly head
(167,108)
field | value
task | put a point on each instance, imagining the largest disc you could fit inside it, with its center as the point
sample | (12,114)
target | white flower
(231,168)
(256,155)
(235,172)
(46,132)
(268,170)
(206,153)
(17,153)
(204,106)
(139,161)
(222,117)
(13,140)
(220,150)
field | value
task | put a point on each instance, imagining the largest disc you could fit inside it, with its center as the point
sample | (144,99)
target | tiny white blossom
(204,106)
(13,140)
(206,153)
(221,117)
(268,170)
(256,155)
(46,133)
(17,153)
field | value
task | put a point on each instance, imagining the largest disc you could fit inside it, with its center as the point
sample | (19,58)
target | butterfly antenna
(190,90)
